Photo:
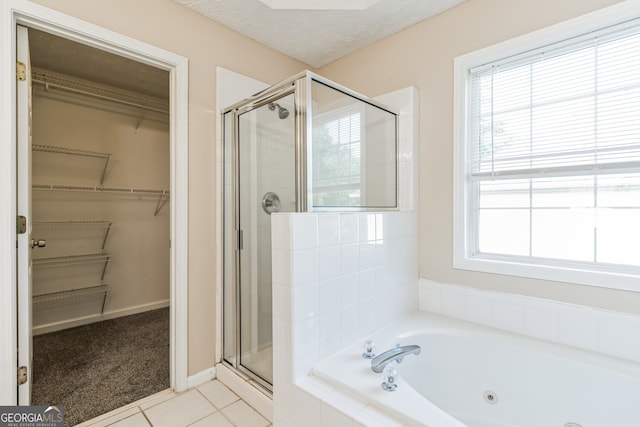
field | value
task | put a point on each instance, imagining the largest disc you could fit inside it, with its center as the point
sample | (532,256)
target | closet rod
(50,80)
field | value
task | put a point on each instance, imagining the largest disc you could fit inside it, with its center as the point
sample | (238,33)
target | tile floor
(210,404)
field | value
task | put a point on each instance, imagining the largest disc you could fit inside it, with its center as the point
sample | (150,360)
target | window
(337,161)
(548,170)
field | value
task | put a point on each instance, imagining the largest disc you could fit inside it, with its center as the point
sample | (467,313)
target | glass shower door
(266,184)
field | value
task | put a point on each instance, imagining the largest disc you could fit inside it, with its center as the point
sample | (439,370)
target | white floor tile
(243,415)
(182,410)
(110,418)
(137,420)
(213,420)
(217,393)
(156,399)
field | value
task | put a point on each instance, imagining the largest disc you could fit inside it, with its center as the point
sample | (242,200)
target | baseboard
(85,320)
(201,377)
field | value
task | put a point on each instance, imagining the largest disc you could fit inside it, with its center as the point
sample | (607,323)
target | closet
(100,194)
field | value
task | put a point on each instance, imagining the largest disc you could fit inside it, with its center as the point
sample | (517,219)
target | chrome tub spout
(397,353)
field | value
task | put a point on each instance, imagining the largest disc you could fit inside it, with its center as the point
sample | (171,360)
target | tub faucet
(397,353)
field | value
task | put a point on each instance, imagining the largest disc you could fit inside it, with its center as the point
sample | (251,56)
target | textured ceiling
(318,37)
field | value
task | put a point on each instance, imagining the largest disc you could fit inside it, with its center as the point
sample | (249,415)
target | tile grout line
(239,399)
(145,417)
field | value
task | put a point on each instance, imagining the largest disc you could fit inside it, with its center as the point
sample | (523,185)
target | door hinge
(22,375)
(21,71)
(21,226)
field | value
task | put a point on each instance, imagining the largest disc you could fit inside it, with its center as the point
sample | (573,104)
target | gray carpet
(93,369)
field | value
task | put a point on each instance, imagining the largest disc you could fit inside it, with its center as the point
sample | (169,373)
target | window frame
(464,220)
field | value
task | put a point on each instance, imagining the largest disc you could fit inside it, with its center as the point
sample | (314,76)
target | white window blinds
(553,146)
(561,111)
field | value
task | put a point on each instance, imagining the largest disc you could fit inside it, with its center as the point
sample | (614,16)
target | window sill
(616,278)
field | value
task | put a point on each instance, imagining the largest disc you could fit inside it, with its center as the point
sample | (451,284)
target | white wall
(138,241)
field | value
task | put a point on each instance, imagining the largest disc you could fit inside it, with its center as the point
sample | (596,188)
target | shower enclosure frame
(300,85)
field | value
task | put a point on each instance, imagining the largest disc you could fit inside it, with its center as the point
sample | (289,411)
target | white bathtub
(533,383)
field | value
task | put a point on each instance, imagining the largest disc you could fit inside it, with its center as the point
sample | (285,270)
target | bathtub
(475,376)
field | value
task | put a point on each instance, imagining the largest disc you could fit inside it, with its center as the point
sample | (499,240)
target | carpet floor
(93,369)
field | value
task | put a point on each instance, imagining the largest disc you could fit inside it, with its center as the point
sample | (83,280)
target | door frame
(12,13)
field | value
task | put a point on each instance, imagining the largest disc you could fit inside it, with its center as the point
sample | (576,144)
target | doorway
(44,19)
(100,261)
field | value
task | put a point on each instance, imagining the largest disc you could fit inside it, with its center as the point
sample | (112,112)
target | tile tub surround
(337,278)
(612,333)
(617,334)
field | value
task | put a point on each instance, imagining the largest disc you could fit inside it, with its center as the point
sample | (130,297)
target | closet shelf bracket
(162,200)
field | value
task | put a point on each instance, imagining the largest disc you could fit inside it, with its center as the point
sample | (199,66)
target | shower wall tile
(367,227)
(280,232)
(349,259)
(405,102)
(328,258)
(304,267)
(329,295)
(349,289)
(305,302)
(349,327)
(328,230)
(304,232)
(348,228)
(367,284)
(330,334)
(367,255)
(343,291)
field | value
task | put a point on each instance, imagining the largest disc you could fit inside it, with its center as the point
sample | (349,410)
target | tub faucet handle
(367,349)
(390,382)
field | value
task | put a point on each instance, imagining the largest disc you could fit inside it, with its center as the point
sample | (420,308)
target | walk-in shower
(304,144)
